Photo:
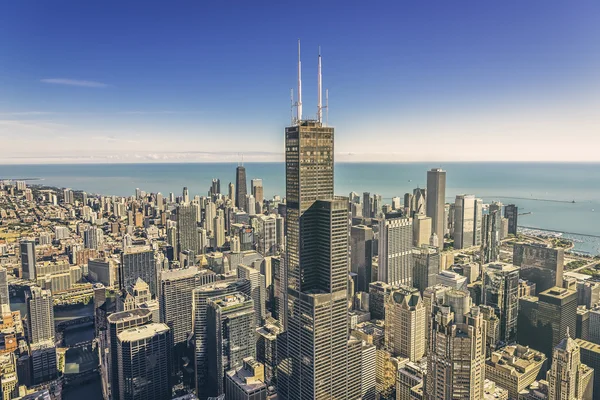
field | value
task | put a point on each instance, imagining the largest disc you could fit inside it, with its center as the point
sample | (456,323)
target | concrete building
(395,250)
(187,228)
(378,293)
(501,291)
(4,293)
(43,361)
(456,357)
(144,362)
(40,314)
(452,279)
(246,382)
(568,378)
(514,368)
(258,291)
(421,230)
(267,351)
(405,323)
(368,366)
(511,213)
(426,266)
(464,221)
(436,200)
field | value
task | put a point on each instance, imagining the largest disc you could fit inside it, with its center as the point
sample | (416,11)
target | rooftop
(142,332)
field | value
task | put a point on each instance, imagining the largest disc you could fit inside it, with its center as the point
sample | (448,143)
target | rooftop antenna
(320,92)
(326,107)
(299,104)
(292,106)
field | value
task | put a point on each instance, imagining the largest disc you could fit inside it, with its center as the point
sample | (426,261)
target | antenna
(299,109)
(320,92)
(292,106)
(326,107)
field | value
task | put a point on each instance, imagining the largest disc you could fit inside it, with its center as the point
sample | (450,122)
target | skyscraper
(456,357)
(231,330)
(426,266)
(232,192)
(240,188)
(138,262)
(144,362)
(436,200)
(541,264)
(501,291)
(405,323)
(490,244)
(187,228)
(511,212)
(316,265)
(568,378)
(395,249)
(4,293)
(258,291)
(464,221)
(27,248)
(367,205)
(361,245)
(40,314)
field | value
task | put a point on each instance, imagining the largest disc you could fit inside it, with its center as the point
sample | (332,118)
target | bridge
(63,326)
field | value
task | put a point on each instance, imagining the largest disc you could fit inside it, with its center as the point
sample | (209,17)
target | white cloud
(74,82)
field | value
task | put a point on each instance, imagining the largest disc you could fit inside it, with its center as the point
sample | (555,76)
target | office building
(464,221)
(456,357)
(246,382)
(405,323)
(187,228)
(267,349)
(568,377)
(267,235)
(514,368)
(426,266)
(230,329)
(43,361)
(200,297)
(490,245)
(138,262)
(240,188)
(436,200)
(544,320)
(27,248)
(4,293)
(582,326)
(421,230)
(540,264)
(367,204)
(452,279)
(395,250)
(511,213)
(40,314)
(361,245)
(368,366)
(175,300)
(590,356)
(258,291)
(409,383)
(144,362)
(501,291)
(219,231)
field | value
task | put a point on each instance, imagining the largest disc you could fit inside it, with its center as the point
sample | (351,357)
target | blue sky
(90,81)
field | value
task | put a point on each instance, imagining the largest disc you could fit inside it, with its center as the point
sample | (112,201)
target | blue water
(490,181)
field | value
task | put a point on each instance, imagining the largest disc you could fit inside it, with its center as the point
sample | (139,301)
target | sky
(178,81)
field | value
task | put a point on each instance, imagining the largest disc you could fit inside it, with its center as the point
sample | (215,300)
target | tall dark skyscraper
(501,291)
(187,228)
(138,262)
(436,200)
(511,212)
(27,248)
(240,188)
(316,264)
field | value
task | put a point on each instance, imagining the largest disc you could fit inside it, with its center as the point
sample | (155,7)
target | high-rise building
(215,187)
(544,320)
(267,348)
(464,221)
(240,186)
(219,230)
(43,361)
(568,378)
(176,286)
(258,291)
(378,293)
(200,297)
(361,245)
(117,323)
(477,222)
(267,235)
(27,248)
(187,228)
(4,293)
(491,231)
(426,266)
(186,196)
(456,357)
(501,291)
(232,193)
(257,190)
(368,371)
(421,230)
(405,324)
(230,328)
(590,356)
(40,314)
(436,200)
(138,262)
(395,250)
(144,362)
(540,264)
(367,205)
(511,213)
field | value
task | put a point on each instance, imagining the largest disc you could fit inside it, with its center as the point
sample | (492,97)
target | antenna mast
(326,107)
(292,106)
(299,104)
(320,92)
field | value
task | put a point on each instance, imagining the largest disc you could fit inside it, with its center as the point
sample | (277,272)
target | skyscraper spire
(299,105)
(320,91)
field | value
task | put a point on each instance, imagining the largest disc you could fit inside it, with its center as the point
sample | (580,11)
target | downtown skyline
(167,85)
